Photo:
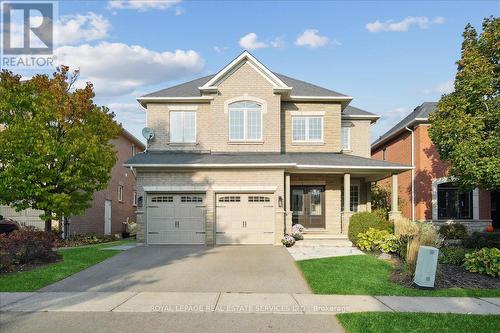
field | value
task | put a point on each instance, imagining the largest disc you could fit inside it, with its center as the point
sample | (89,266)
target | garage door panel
(245,219)
(176,219)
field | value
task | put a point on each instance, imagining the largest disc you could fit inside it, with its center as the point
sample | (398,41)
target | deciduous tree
(55,149)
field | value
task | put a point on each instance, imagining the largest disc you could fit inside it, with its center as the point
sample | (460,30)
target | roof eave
(372,118)
(145,100)
(412,123)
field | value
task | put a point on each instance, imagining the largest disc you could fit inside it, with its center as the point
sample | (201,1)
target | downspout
(412,174)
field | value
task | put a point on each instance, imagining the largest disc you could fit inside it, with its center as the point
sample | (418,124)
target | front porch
(324,202)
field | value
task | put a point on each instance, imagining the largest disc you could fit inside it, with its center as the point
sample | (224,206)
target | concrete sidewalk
(239,303)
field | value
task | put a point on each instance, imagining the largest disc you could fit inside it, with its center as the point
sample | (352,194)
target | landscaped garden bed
(462,271)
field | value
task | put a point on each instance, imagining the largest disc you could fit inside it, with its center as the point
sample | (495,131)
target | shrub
(453,231)
(361,222)
(485,261)
(288,240)
(477,241)
(26,246)
(381,240)
(381,198)
(132,228)
(452,255)
(80,240)
(296,234)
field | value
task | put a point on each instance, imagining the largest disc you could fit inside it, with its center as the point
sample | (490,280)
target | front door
(308,206)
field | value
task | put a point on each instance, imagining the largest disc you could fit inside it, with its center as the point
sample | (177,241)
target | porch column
(346,214)
(394,214)
(288,202)
(368,196)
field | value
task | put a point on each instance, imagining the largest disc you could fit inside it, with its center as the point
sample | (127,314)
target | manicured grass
(74,260)
(367,275)
(417,322)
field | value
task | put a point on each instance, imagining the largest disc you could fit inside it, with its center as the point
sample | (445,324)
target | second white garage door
(245,219)
(176,219)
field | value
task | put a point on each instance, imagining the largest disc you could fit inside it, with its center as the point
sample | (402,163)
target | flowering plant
(288,240)
(296,234)
(298,227)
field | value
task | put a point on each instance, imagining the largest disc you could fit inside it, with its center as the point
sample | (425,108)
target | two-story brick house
(240,156)
(426,192)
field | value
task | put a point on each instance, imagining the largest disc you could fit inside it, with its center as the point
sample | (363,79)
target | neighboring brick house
(240,156)
(426,193)
(110,207)
(117,203)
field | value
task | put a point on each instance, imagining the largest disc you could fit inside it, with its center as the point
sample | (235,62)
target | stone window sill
(245,142)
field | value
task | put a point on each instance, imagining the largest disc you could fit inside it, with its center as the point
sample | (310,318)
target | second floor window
(346,138)
(245,121)
(307,129)
(182,127)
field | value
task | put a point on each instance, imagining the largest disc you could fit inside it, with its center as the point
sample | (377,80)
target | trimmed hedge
(361,222)
(453,231)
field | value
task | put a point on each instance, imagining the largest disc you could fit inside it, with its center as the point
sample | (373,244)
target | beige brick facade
(246,82)
(216,181)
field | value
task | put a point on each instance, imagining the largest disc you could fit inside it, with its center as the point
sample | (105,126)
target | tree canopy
(466,126)
(55,149)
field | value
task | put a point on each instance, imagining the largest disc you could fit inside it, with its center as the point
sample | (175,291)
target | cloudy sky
(391,56)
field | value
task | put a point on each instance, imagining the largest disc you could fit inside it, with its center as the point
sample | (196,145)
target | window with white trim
(163,198)
(253,198)
(346,137)
(453,203)
(245,121)
(186,198)
(230,199)
(133,150)
(354,196)
(307,129)
(384,154)
(120,193)
(134,199)
(182,127)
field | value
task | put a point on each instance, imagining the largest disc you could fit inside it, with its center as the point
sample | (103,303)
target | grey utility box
(425,272)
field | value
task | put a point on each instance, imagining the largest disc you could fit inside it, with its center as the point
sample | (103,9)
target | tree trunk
(48,222)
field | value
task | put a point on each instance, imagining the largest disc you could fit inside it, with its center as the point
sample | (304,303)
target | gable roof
(420,114)
(292,89)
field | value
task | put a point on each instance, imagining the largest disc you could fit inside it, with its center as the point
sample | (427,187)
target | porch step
(320,239)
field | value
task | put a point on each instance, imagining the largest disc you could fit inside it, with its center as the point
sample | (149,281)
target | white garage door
(245,219)
(176,219)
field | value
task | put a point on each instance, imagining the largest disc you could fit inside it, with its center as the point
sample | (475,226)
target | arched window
(453,204)
(245,121)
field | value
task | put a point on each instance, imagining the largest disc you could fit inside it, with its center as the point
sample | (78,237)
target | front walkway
(239,303)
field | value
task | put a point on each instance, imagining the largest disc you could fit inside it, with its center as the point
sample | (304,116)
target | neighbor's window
(453,204)
(384,154)
(307,129)
(133,150)
(245,121)
(120,193)
(182,127)
(134,198)
(354,198)
(346,137)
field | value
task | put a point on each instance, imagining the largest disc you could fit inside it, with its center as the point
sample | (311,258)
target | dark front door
(308,206)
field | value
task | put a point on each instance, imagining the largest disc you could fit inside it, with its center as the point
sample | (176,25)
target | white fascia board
(215,165)
(347,167)
(235,62)
(145,100)
(409,124)
(360,116)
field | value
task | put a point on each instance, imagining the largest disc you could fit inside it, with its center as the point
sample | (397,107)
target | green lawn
(367,275)
(74,260)
(386,322)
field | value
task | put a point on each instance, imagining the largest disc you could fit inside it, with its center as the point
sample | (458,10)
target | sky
(390,56)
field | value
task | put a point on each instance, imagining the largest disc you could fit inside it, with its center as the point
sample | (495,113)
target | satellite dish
(148,133)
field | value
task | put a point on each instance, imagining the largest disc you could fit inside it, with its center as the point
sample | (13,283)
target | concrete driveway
(258,269)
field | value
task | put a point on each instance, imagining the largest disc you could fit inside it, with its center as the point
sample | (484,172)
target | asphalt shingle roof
(190,89)
(317,159)
(421,111)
